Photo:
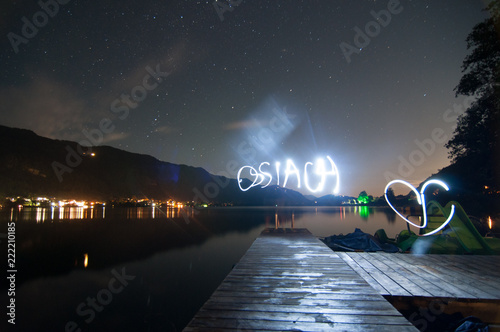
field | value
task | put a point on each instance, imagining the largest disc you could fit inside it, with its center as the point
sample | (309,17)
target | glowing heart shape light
(421,200)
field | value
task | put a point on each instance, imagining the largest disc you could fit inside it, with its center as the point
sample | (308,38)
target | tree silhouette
(390,193)
(363,198)
(476,139)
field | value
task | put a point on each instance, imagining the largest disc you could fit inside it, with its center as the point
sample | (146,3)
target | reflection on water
(332,218)
(85,260)
(43,214)
(326,221)
(364,212)
(178,257)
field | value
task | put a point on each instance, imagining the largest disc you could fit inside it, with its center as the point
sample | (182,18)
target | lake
(144,268)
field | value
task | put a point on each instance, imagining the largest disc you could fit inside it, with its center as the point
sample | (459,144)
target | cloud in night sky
(49,108)
(247,124)
(112,137)
(166,130)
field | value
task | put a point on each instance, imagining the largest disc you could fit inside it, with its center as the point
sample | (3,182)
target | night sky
(268,82)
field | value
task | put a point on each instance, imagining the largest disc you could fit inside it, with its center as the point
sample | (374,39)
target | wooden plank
(382,278)
(298,295)
(483,267)
(471,280)
(365,275)
(372,309)
(310,317)
(455,276)
(415,274)
(340,290)
(344,302)
(430,273)
(437,284)
(204,325)
(397,274)
(291,280)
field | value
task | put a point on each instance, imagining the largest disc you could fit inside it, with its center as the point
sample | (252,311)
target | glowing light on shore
(86,260)
(490,223)
(421,200)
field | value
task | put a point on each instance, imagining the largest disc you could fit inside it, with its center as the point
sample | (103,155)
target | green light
(363,198)
(364,212)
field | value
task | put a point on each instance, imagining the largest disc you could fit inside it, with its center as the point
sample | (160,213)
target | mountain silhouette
(31,165)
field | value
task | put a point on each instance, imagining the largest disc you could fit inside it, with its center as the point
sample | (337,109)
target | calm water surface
(144,269)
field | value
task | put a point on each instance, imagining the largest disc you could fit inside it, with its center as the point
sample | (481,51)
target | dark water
(144,269)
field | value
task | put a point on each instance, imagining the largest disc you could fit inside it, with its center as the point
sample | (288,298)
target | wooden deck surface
(450,276)
(289,280)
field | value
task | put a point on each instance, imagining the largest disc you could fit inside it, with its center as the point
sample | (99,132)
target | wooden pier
(465,284)
(290,280)
(472,277)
